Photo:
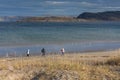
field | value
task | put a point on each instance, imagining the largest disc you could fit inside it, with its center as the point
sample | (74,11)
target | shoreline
(82,56)
(97,53)
(69,48)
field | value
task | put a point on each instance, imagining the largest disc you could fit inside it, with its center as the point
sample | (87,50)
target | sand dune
(76,66)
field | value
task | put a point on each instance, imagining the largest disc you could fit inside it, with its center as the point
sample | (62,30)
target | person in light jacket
(62,51)
(28,53)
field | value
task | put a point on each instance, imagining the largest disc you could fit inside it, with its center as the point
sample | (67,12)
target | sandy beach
(59,40)
(104,65)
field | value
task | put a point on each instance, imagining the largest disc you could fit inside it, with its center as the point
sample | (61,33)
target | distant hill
(48,19)
(106,16)
(84,17)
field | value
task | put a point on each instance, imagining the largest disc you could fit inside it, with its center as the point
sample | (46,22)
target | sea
(17,37)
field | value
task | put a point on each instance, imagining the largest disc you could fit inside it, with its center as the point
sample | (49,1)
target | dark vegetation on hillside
(108,16)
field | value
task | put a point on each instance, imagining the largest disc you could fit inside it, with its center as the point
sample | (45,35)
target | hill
(106,16)
(84,17)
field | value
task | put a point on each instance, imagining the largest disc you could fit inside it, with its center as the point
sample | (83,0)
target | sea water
(17,37)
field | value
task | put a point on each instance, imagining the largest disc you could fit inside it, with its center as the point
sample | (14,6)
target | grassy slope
(94,66)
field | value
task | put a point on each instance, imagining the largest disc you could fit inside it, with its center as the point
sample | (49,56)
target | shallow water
(74,37)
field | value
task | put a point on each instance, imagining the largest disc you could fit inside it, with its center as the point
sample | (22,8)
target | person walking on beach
(62,51)
(43,51)
(28,53)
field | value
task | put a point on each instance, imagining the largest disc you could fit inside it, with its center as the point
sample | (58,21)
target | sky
(55,7)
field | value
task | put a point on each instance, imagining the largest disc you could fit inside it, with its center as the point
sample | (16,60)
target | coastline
(61,19)
(55,48)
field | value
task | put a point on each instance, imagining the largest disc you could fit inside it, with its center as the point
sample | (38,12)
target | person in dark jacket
(43,51)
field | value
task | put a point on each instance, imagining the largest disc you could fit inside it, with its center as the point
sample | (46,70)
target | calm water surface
(74,37)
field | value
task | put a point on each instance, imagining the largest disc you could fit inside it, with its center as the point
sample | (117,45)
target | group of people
(43,51)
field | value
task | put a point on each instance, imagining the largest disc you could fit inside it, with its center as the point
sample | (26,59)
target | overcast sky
(55,7)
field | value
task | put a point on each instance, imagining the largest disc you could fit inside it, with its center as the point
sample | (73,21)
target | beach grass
(76,66)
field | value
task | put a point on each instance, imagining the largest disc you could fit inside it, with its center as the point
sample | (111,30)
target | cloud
(76,3)
(55,2)
(87,4)
(110,7)
(67,7)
